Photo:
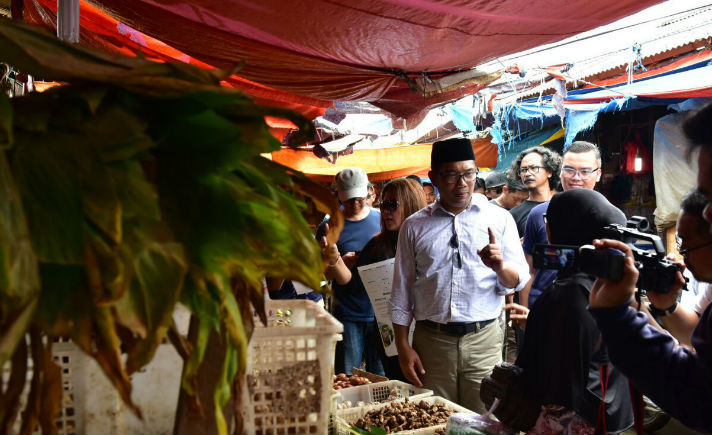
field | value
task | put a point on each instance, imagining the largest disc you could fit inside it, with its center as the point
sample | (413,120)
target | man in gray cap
(455,260)
(494,184)
(513,194)
(352,306)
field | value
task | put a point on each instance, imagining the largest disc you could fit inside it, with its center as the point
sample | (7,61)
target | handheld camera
(657,274)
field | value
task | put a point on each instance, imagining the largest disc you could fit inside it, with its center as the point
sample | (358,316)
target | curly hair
(550,160)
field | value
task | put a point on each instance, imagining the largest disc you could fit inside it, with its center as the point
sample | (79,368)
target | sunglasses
(390,205)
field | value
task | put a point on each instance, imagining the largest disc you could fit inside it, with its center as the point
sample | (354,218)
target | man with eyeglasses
(694,243)
(581,169)
(352,306)
(676,378)
(538,168)
(455,260)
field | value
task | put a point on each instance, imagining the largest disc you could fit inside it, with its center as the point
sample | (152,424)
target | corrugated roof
(660,29)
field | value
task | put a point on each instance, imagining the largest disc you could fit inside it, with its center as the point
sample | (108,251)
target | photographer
(562,358)
(695,246)
(675,378)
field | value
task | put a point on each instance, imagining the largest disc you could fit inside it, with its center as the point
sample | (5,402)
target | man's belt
(457,329)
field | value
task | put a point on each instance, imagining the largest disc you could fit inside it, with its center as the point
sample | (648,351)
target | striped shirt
(428,281)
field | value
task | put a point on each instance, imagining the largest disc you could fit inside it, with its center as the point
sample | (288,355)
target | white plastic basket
(345,418)
(290,370)
(378,392)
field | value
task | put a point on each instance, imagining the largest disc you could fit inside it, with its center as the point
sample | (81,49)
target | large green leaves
(142,184)
(19,278)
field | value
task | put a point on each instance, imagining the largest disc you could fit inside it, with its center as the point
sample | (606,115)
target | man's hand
(518,314)
(329,251)
(491,254)
(410,364)
(663,301)
(606,293)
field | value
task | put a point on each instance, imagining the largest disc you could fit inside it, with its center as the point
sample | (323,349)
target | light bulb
(638,162)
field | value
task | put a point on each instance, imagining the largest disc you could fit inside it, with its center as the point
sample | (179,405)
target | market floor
(673,427)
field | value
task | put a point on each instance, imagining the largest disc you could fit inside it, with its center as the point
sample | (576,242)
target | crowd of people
(463,250)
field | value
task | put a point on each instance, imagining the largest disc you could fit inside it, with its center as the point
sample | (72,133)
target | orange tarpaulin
(380,164)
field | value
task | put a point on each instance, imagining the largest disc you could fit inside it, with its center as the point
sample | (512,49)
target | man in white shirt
(455,260)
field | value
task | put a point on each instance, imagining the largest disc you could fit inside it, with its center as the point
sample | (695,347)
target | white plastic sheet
(675,174)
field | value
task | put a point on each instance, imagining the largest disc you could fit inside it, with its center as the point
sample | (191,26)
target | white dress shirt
(427,282)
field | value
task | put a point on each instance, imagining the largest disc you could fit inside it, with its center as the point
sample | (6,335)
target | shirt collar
(477,201)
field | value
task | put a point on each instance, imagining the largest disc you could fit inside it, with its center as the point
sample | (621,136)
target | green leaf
(158,280)
(6,121)
(222,390)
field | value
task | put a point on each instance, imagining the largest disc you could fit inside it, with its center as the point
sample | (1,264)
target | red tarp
(352,50)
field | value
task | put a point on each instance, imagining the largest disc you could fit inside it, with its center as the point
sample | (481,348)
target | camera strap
(636,399)
(601,418)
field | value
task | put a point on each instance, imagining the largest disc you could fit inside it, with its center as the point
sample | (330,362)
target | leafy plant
(133,187)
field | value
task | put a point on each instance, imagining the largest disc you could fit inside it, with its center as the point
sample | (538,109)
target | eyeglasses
(533,169)
(454,177)
(455,244)
(585,174)
(390,205)
(685,251)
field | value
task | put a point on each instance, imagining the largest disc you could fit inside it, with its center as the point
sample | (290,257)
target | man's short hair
(415,178)
(698,127)
(550,160)
(515,184)
(694,203)
(581,146)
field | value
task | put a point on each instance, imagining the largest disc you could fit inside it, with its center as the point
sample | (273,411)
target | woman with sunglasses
(399,199)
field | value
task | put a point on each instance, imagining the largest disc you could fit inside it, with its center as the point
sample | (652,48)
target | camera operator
(695,246)
(562,359)
(676,378)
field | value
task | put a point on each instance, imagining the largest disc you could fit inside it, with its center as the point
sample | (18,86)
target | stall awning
(400,55)
(380,164)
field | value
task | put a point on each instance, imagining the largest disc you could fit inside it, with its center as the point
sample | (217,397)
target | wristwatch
(661,313)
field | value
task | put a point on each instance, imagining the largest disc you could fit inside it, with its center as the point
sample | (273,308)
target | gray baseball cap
(495,179)
(351,183)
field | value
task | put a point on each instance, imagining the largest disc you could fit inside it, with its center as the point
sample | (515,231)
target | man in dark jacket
(675,378)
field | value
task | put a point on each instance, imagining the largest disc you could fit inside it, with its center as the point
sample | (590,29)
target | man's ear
(432,175)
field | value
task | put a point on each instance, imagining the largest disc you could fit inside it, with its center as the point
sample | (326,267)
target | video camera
(657,274)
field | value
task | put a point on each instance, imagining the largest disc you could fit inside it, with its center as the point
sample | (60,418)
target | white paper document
(377,279)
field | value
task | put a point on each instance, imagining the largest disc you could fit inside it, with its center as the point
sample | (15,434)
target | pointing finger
(492,239)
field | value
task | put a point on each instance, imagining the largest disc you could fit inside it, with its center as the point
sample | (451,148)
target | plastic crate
(290,370)
(344,418)
(378,392)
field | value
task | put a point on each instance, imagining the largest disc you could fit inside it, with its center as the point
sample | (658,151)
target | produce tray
(370,376)
(378,392)
(290,370)
(344,418)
